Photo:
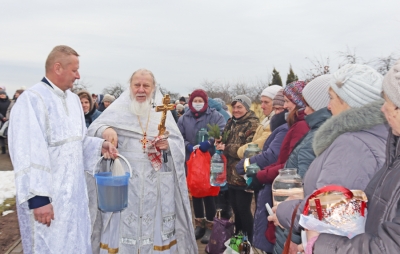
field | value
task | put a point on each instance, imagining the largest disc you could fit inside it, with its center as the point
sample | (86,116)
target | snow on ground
(7,212)
(7,185)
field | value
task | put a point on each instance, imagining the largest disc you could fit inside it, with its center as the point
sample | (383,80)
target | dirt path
(9,230)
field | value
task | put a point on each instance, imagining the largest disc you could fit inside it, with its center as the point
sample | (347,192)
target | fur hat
(316,92)
(109,98)
(391,84)
(293,92)
(242,99)
(357,84)
(278,99)
(271,91)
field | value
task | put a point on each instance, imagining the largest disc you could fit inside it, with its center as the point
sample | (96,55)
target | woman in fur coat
(350,146)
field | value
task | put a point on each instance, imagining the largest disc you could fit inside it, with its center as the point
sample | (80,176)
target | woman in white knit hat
(316,97)
(382,227)
(107,100)
(350,146)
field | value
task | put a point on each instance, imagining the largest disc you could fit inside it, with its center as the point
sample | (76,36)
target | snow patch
(7,185)
(7,212)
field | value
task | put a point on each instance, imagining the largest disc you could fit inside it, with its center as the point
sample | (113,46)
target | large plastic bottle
(201,136)
(217,171)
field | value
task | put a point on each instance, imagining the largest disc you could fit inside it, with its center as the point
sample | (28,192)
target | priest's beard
(140,108)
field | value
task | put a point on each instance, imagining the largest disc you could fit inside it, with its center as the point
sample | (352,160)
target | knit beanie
(109,98)
(278,99)
(293,92)
(357,84)
(316,93)
(180,107)
(182,99)
(3,88)
(391,84)
(242,99)
(198,93)
(3,92)
(271,91)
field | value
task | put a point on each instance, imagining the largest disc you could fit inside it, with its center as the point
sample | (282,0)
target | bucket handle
(119,155)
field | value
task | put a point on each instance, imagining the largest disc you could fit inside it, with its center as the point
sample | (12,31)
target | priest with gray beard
(158,217)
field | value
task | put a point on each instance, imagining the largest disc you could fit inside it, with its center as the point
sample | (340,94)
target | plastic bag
(336,210)
(198,178)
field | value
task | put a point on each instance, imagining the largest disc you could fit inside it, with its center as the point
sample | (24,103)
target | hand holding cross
(164,108)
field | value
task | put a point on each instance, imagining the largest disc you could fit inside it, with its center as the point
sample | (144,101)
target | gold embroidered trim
(165,247)
(104,246)
(110,250)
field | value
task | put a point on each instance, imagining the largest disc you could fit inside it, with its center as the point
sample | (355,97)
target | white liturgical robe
(49,151)
(158,217)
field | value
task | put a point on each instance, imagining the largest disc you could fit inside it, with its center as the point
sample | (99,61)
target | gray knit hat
(357,84)
(391,84)
(278,99)
(244,100)
(109,98)
(316,92)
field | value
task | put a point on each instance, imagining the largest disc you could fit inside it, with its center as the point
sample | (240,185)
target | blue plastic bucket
(112,191)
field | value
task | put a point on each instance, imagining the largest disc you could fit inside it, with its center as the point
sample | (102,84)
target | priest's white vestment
(49,151)
(158,217)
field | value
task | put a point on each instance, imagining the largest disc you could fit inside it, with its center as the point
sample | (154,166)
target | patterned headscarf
(293,92)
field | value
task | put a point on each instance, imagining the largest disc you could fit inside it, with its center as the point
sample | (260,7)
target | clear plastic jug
(287,184)
(112,191)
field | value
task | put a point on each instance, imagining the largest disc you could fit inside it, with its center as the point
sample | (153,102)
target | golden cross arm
(164,108)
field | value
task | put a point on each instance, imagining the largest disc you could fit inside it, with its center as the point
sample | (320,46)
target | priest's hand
(109,151)
(111,135)
(44,214)
(162,144)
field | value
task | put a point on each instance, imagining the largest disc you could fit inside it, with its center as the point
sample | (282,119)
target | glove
(255,184)
(204,146)
(189,148)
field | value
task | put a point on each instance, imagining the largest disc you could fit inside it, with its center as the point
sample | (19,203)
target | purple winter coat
(350,149)
(189,126)
(269,156)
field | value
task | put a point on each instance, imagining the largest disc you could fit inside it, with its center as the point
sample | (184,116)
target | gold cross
(164,108)
(144,141)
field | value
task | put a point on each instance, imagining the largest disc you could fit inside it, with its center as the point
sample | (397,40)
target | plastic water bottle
(218,171)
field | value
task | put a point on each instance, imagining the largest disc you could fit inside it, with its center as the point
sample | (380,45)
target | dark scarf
(88,116)
(277,120)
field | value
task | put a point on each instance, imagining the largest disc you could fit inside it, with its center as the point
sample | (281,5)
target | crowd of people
(340,128)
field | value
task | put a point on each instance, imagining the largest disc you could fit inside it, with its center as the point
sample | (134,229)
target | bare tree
(79,85)
(227,91)
(383,64)
(349,57)
(319,67)
(116,90)
(217,90)
(174,96)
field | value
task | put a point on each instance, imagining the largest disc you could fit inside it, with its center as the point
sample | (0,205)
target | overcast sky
(187,42)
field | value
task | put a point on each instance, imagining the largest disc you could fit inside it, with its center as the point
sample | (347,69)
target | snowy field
(7,185)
